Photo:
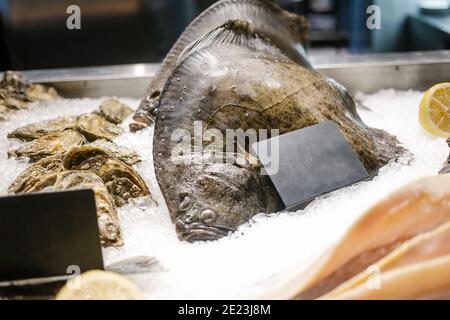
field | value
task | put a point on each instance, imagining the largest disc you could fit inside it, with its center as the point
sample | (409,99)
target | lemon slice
(99,285)
(434,114)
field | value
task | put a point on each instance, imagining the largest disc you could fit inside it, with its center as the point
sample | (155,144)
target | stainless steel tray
(367,73)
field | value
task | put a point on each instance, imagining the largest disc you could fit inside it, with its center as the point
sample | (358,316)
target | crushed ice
(267,245)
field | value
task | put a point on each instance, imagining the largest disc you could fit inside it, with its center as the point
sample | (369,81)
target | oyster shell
(115,111)
(38,176)
(446,168)
(130,157)
(5,112)
(419,207)
(39,129)
(38,92)
(108,220)
(121,180)
(94,127)
(13,100)
(16,92)
(48,145)
(14,82)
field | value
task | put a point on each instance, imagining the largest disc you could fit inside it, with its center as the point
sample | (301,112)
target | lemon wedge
(99,285)
(434,114)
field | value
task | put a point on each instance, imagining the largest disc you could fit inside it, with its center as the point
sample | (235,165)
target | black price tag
(309,162)
(48,234)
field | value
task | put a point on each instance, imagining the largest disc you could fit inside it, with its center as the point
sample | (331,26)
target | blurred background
(33,33)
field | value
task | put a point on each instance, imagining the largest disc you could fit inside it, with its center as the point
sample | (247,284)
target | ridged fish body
(235,78)
(285,29)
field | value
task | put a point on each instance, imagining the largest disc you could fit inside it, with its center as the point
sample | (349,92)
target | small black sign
(48,234)
(309,162)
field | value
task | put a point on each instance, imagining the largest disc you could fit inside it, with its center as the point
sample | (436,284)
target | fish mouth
(201,232)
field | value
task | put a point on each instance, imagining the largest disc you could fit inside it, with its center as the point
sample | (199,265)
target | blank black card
(310,162)
(42,234)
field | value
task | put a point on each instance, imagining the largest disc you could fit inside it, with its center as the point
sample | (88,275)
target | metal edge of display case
(366,73)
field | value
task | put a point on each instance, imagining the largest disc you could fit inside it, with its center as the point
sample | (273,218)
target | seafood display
(17,93)
(383,232)
(243,81)
(63,161)
(240,66)
(286,30)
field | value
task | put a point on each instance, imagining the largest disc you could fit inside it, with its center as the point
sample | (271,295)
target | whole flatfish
(236,79)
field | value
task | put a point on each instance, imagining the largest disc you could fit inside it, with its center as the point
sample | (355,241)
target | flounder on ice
(287,30)
(242,81)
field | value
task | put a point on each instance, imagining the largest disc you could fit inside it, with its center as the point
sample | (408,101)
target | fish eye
(208,216)
(185,201)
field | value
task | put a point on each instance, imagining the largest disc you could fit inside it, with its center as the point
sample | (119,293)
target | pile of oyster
(16,93)
(77,152)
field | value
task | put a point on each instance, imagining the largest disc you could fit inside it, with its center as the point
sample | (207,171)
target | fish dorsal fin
(234,32)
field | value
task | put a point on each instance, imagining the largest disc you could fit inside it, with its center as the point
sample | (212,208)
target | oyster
(130,157)
(115,111)
(32,179)
(121,180)
(108,219)
(423,248)
(242,81)
(14,82)
(12,100)
(5,112)
(287,30)
(40,129)
(94,127)
(419,207)
(48,145)
(38,92)
(16,92)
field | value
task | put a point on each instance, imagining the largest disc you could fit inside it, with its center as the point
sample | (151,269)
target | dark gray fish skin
(287,30)
(242,81)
